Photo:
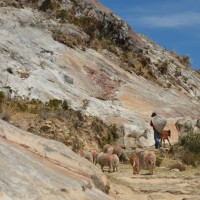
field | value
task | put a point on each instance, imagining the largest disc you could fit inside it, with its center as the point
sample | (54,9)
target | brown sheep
(147,160)
(119,152)
(106,147)
(164,135)
(135,163)
(150,160)
(87,155)
(110,160)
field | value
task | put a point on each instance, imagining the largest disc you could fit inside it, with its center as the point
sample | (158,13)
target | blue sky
(172,24)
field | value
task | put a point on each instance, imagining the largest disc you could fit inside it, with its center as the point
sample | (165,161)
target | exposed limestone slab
(36,168)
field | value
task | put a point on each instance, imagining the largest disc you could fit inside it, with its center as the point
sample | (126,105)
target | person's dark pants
(157,141)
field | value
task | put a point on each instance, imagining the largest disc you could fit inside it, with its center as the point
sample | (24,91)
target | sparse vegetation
(177,72)
(163,68)
(185,59)
(112,129)
(62,15)
(9,70)
(2,96)
(158,161)
(191,144)
(180,166)
(7,110)
(55,112)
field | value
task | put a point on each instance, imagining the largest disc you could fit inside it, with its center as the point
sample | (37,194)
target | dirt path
(164,184)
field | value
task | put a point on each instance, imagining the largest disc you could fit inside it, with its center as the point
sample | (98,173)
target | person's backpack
(159,123)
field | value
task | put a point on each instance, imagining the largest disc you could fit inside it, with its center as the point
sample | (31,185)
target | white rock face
(34,65)
(36,168)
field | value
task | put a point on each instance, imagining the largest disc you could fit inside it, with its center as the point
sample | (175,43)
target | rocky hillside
(83,53)
(80,52)
(36,168)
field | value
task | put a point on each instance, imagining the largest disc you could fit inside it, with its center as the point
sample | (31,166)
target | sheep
(106,147)
(87,155)
(186,125)
(110,150)
(135,163)
(147,160)
(110,160)
(119,152)
(164,135)
(94,155)
(133,132)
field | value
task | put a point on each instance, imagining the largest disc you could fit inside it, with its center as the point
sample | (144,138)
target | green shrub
(54,103)
(35,101)
(112,131)
(89,25)
(158,161)
(22,107)
(7,110)
(177,73)
(2,96)
(65,105)
(190,158)
(62,15)
(80,116)
(185,60)
(163,68)
(191,142)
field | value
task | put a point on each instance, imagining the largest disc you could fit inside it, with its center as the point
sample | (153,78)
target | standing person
(156,133)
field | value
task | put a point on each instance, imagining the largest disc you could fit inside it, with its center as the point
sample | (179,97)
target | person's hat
(153,114)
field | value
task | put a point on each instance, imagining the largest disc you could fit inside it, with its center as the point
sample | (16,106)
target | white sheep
(186,125)
(133,132)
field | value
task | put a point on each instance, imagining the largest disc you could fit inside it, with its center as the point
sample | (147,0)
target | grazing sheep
(106,147)
(164,135)
(119,152)
(110,160)
(110,150)
(87,155)
(135,163)
(94,155)
(147,160)
(133,132)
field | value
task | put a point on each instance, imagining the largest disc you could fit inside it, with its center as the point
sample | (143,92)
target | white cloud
(172,20)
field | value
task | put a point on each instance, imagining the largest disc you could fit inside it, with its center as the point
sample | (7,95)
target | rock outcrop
(37,168)
(44,58)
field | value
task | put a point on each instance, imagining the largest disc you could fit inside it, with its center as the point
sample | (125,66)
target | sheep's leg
(164,142)
(109,168)
(133,165)
(151,169)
